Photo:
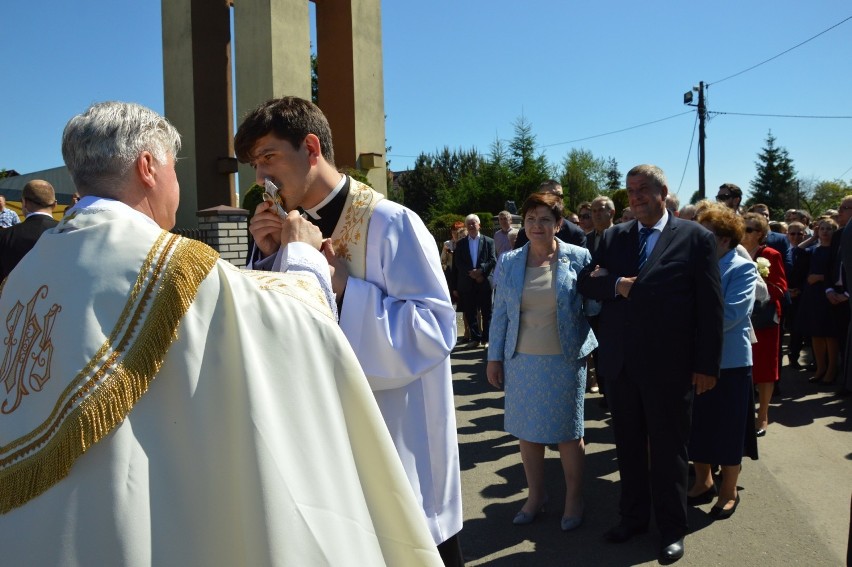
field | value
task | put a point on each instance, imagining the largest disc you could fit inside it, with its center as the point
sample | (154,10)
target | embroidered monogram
(29,349)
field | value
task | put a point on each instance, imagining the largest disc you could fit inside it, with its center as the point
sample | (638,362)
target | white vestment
(402,325)
(162,407)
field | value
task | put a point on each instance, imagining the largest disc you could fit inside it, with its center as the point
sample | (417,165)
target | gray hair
(472,216)
(605,201)
(101,145)
(651,172)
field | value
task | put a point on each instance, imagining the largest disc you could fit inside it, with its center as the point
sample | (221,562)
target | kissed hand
(266,228)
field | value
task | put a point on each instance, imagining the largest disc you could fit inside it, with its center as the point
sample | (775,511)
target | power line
(782,53)
(777,115)
(616,131)
(845,172)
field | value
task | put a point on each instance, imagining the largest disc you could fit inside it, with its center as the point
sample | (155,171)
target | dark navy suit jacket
(671,324)
(16,241)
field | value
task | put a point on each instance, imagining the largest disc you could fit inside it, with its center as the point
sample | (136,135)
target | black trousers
(451,553)
(651,418)
(477,300)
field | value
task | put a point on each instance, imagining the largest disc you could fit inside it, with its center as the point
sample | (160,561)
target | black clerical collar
(327,213)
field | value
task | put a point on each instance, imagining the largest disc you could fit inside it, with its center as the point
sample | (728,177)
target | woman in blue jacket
(539,341)
(723,417)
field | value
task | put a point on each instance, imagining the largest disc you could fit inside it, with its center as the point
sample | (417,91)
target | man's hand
(265,228)
(835,298)
(494,372)
(703,382)
(295,228)
(814,278)
(599,272)
(339,269)
(624,286)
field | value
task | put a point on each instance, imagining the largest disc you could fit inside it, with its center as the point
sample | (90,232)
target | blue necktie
(644,233)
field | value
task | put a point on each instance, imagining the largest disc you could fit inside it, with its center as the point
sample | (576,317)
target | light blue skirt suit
(543,393)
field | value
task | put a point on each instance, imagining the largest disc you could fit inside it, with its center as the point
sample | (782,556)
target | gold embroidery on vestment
(167,281)
(21,364)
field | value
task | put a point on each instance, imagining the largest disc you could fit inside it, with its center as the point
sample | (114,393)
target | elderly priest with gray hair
(162,407)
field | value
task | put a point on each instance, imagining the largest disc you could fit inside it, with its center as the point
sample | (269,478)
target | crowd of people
(721,282)
(164,407)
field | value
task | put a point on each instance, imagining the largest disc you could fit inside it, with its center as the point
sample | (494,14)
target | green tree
(775,184)
(613,176)
(817,196)
(497,178)
(420,186)
(461,190)
(314,78)
(583,177)
(529,168)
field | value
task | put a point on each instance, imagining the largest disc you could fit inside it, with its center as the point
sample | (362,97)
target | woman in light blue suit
(723,417)
(539,341)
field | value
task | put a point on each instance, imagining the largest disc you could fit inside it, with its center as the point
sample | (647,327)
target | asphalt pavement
(795,500)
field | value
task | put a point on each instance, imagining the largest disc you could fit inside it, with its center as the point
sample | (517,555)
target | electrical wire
(782,53)
(616,131)
(777,115)
(688,153)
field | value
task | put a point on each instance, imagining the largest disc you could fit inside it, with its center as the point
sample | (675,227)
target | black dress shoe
(672,552)
(622,533)
(704,498)
(760,433)
(721,513)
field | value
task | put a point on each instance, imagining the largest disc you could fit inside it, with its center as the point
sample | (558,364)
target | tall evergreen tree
(613,176)
(530,168)
(775,184)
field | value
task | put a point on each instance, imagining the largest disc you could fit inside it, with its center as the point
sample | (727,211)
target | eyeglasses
(795,233)
(846,208)
(585,216)
(749,229)
(724,197)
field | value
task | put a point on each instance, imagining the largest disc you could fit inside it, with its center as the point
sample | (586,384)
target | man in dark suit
(570,232)
(473,260)
(660,343)
(38,201)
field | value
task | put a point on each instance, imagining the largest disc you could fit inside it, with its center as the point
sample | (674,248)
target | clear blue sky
(460,73)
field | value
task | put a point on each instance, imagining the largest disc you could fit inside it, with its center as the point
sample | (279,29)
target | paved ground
(795,507)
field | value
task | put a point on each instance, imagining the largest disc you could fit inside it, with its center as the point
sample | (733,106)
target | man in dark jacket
(38,201)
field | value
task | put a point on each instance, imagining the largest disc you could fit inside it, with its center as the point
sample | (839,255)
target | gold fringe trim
(107,405)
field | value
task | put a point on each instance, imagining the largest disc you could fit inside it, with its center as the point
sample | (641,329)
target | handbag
(764,314)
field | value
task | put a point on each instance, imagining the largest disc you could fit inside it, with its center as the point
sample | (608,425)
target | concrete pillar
(272,57)
(226,230)
(349,58)
(198,101)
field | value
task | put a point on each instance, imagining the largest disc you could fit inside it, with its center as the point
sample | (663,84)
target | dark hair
(734,189)
(288,118)
(549,200)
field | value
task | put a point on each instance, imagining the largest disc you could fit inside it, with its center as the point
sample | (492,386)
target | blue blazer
(738,279)
(575,335)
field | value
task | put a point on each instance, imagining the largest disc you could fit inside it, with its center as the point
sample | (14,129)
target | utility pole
(702,115)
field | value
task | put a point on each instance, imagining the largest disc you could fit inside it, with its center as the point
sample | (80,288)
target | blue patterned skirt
(544,397)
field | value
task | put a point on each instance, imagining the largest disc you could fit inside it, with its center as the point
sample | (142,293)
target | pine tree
(613,176)
(775,184)
(530,169)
